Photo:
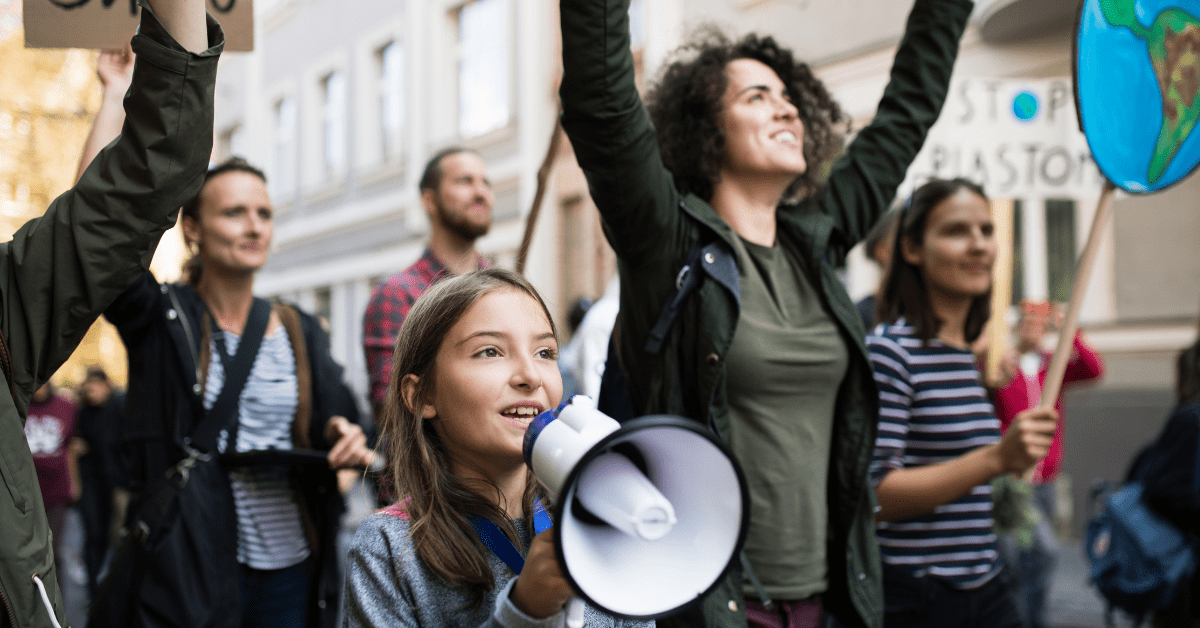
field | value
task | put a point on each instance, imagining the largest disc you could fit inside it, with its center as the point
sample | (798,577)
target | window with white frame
(284,158)
(231,142)
(483,67)
(1043,249)
(323,303)
(333,123)
(1060,247)
(389,62)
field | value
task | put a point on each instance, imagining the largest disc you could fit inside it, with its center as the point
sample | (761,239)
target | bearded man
(457,195)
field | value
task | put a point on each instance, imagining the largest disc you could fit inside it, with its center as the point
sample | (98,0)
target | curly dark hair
(685,106)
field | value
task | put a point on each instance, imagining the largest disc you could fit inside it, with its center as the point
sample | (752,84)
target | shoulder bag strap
(1196,468)
(237,371)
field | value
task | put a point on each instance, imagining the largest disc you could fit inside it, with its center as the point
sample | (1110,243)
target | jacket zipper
(187,331)
(12,616)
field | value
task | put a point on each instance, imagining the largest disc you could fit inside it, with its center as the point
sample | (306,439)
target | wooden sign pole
(1066,335)
(543,183)
(1002,281)
(1083,273)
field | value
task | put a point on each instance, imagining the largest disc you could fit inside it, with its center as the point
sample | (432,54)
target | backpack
(1138,559)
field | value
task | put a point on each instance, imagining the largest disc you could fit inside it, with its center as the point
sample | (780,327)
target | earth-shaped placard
(1138,84)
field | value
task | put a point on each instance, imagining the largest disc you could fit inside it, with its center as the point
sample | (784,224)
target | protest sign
(1018,138)
(111,23)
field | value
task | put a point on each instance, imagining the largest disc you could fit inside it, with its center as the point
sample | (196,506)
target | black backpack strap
(237,371)
(686,281)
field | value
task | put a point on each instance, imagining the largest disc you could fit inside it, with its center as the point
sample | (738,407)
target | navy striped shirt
(270,533)
(933,408)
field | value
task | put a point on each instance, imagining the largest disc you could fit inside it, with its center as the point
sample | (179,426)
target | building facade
(342,103)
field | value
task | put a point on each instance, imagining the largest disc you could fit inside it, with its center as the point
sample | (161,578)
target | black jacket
(162,327)
(61,270)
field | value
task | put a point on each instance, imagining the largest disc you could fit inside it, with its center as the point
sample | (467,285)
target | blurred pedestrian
(457,195)
(62,269)
(939,442)
(1170,462)
(50,429)
(568,356)
(730,198)
(101,470)
(878,246)
(588,349)
(1033,559)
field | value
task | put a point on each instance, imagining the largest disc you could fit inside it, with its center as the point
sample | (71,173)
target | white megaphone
(648,515)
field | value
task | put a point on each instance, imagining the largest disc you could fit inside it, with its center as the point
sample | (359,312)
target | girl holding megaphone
(475,362)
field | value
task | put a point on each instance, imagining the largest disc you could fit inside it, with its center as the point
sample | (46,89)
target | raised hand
(349,445)
(115,68)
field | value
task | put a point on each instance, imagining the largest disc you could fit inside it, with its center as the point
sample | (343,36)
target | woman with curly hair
(728,216)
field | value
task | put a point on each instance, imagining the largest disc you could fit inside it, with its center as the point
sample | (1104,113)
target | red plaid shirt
(390,301)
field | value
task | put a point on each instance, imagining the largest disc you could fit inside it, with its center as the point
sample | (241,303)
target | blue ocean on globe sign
(1025,106)
(1138,85)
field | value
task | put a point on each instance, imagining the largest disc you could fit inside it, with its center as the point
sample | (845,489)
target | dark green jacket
(60,271)
(652,228)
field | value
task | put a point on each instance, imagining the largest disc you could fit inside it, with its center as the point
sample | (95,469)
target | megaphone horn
(648,515)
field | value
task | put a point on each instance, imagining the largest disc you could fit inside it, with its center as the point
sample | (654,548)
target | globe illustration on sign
(1138,85)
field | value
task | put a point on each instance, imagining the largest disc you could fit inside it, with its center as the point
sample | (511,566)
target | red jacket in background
(1023,393)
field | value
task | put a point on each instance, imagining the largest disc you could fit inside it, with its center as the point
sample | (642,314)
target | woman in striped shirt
(283,503)
(939,441)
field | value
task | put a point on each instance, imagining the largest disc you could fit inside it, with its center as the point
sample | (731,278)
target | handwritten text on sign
(1018,138)
(111,23)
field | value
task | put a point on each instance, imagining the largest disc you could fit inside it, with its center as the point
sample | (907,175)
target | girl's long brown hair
(440,503)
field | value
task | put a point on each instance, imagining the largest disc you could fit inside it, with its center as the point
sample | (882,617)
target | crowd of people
(212,491)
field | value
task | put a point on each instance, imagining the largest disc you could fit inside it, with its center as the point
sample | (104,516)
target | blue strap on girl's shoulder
(494,539)
(541,518)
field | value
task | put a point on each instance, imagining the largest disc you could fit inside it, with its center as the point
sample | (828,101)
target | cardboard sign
(111,23)
(1018,138)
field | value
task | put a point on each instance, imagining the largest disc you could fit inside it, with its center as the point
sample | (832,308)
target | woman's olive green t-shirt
(785,365)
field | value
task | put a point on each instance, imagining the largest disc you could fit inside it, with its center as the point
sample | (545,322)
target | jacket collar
(808,227)
(700,210)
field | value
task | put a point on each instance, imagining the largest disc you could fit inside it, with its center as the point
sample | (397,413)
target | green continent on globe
(1173,42)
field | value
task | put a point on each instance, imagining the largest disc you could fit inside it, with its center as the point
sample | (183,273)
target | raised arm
(185,21)
(61,270)
(115,69)
(863,182)
(610,129)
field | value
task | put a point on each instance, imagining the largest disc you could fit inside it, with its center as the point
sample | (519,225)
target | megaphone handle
(575,612)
